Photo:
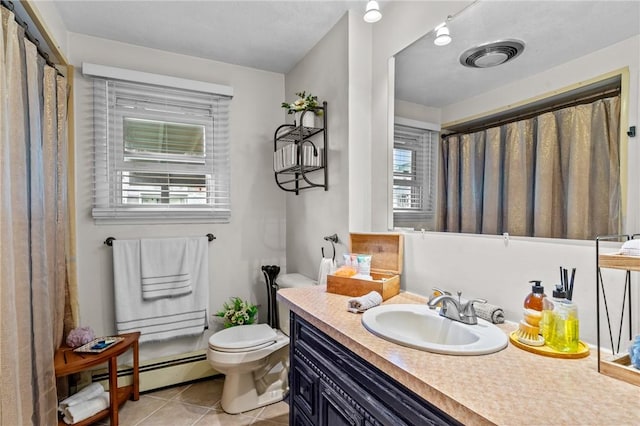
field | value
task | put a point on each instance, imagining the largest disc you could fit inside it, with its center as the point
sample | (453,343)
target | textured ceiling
(268,35)
(554,32)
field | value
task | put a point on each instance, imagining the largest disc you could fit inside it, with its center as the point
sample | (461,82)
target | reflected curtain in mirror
(556,175)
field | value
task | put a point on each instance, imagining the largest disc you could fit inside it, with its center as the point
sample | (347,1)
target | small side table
(66,362)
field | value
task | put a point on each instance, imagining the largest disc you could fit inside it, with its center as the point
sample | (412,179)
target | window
(161,154)
(414,177)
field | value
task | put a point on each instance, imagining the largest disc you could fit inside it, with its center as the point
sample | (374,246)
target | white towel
(327,266)
(488,312)
(86,409)
(164,318)
(631,248)
(362,303)
(164,267)
(85,394)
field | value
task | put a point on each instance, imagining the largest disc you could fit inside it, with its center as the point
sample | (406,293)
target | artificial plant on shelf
(238,312)
(305,102)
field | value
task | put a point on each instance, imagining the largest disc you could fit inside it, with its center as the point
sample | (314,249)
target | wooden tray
(621,369)
(583,349)
(386,252)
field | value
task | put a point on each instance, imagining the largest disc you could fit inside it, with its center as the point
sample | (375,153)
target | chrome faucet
(454,309)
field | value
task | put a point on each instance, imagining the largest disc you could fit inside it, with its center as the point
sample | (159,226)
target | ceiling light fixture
(372,12)
(442,35)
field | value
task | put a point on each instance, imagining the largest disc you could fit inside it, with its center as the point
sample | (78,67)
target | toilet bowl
(254,358)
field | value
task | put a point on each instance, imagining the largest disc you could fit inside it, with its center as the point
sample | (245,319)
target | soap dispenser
(549,308)
(535,298)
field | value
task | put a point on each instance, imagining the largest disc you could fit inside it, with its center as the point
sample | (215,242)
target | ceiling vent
(491,54)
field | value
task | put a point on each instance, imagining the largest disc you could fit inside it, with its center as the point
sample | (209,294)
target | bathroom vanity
(343,374)
(332,386)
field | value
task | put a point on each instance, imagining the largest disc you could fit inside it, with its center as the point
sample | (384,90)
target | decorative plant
(238,312)
(305,102)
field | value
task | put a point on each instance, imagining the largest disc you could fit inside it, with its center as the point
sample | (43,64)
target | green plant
(305,102)
(237,312)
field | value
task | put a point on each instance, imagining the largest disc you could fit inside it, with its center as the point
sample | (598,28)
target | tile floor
(197,404)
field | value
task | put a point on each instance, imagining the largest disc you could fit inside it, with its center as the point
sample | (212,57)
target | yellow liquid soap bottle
(547,324)
(566,328)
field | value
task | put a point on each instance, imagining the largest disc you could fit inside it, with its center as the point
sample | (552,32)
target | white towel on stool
(327,266)
(86,409)
(85,394)
(362,303)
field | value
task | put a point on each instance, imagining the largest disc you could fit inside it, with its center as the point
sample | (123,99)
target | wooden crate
(386,252)
(621,369)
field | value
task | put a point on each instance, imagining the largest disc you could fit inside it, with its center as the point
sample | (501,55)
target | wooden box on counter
(386,252)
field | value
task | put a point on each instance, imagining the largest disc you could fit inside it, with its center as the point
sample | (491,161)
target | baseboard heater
(162,372)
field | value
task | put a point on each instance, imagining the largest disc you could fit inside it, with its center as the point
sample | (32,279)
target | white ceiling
(269,35)
(554,32)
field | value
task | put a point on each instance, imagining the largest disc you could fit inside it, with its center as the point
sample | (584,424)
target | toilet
(255,358)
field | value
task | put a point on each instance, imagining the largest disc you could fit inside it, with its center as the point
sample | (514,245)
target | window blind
(160,154)
(414,177)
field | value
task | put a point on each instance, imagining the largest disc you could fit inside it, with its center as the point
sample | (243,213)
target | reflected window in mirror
(415,151)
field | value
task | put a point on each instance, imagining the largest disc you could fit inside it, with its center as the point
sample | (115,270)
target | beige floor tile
(277,413)
(174,413)
(220,418)
(133,411)
(205,394)
(168,393)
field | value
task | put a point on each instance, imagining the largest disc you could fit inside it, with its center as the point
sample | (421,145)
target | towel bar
(109,240)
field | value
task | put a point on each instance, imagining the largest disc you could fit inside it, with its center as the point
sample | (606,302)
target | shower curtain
(556,175)
(33,228)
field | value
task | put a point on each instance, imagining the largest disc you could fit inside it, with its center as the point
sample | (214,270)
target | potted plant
(305,102)
(238,312)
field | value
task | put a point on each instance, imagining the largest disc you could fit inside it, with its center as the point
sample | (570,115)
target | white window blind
(161,154)
(414,177)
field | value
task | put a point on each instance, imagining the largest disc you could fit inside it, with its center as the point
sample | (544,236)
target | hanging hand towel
(362,303)
(164,266)
(327,266)
(86,409)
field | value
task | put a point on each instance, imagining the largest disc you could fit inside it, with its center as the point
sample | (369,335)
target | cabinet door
(304,388)
(298,418)
(336,409)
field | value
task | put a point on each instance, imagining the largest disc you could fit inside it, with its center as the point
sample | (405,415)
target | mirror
(567,46)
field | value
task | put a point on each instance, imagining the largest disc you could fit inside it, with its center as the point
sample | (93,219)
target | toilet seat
(243,338)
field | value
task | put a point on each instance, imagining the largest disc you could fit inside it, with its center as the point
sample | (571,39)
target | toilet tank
(290,281)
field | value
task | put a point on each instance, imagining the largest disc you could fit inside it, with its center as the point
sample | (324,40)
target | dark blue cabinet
(331,386)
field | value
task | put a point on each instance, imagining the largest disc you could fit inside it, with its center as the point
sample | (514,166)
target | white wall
(480,266)
(316,213)
(417,112)
(256,234)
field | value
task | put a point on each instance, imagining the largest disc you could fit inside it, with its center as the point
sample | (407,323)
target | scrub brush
(528,334)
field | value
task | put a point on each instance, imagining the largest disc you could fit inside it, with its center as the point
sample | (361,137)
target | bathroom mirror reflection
(537,125)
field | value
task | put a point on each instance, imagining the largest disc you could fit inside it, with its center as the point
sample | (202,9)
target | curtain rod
(109,241)
(527,115)
(9,5)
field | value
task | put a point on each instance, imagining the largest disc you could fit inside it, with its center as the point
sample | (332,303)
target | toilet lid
(243,337)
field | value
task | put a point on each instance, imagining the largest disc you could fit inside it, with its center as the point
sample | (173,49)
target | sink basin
(419,327)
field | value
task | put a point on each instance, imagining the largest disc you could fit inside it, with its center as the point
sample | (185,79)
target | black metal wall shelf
(300,150)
